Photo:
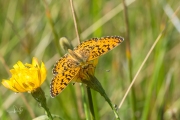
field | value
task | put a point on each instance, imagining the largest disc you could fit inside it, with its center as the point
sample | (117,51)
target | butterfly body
(78,57)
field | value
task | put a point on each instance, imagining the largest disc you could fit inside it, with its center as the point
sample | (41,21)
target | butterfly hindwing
(61,80)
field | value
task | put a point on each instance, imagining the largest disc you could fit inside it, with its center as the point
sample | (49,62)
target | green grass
(27,30)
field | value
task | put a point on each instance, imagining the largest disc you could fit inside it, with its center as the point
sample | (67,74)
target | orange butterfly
(83,57)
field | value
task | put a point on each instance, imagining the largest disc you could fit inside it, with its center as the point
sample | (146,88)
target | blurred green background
(26,31)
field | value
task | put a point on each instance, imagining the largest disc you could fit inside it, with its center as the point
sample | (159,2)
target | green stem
(47,111)
(39,96)
(84,102)
(96,85)
(91,106)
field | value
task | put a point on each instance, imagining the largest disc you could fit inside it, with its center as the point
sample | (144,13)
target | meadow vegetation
(33,28)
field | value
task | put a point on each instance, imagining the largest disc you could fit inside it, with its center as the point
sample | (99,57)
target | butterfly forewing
(63,64)
(61,80)
(103,45)
(89,44)
(95,47)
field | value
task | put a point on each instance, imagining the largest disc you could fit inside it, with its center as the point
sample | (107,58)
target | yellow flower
(26,77)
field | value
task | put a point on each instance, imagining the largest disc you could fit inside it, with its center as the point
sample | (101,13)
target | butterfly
(82,57)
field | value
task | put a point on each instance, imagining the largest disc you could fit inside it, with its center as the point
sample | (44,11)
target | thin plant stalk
(78,37)
(129,59)
(75,21)
(153,82)
(56,38)
(140,68)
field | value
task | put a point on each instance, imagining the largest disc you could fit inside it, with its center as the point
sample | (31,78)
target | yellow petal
(8,85)
(43,72)
(34,78)
(19,65)
(35,62)
(14,87)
